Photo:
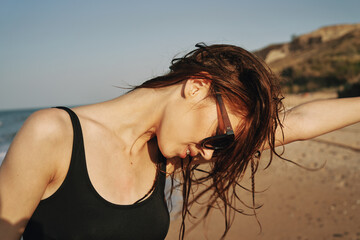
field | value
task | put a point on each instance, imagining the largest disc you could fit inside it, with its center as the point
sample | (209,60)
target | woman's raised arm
(318,117)
(27,170)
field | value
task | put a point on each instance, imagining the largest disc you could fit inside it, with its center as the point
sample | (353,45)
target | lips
(185,152)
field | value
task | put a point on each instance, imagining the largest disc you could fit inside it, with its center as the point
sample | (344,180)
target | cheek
(179,130)
(174,133)
(181,127)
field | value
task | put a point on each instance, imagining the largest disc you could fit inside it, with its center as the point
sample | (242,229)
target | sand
(300,204)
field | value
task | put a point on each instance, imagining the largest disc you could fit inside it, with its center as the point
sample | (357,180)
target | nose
(207,153)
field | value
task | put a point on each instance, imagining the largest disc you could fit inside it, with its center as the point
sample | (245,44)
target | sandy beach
(299,204)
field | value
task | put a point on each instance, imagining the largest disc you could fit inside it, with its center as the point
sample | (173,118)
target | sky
(76,52)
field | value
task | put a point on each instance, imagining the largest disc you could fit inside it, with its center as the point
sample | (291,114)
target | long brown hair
(252,93)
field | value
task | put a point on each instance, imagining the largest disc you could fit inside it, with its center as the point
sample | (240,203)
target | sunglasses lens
(218,142)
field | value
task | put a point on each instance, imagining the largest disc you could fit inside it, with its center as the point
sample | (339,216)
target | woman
(100,173)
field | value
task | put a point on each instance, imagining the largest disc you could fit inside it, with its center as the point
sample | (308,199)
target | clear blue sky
(73,52)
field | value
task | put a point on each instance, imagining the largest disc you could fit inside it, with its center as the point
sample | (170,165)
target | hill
(328,58)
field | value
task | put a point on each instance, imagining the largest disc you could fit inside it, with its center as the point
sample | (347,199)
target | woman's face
(187,120)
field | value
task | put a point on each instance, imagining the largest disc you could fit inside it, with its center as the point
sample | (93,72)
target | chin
(166,151)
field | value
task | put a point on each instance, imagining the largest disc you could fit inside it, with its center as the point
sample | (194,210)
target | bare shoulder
(40,140)
(50,123)
(38,154)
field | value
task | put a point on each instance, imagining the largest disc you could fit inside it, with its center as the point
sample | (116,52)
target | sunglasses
(225,134)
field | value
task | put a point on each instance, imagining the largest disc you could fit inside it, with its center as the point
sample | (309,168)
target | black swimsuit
(77,211)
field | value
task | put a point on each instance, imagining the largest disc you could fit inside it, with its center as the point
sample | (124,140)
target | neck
(134,117)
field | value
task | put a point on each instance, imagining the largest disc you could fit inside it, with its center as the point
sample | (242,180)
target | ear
(197,87)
